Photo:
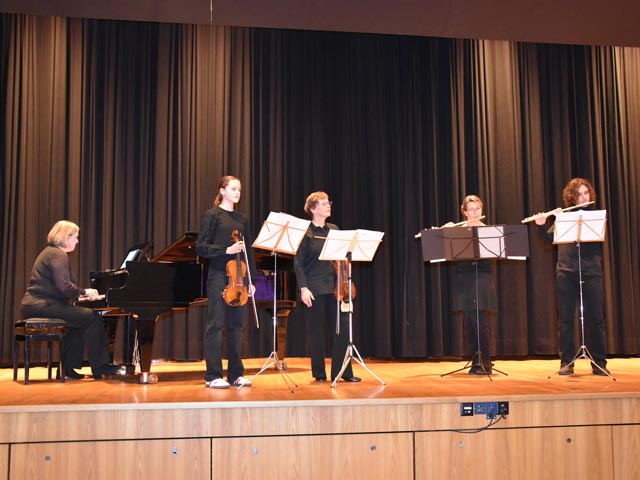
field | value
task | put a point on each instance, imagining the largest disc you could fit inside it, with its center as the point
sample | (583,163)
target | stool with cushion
(37,330)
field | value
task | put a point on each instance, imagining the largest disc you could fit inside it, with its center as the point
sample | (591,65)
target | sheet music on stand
(509,242)
(361,243)
(281,233)
(580,226)
(486,242)
(351,245)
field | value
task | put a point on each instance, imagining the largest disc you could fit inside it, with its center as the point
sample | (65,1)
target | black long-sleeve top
(311,272)
(51,278)
(590,254)
(214,237)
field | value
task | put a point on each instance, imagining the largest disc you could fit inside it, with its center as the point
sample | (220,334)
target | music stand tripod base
(470,364)
(347,358)
(583,352)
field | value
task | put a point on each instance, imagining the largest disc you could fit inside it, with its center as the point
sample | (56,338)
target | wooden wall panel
(626,445)
(562,452)
(370,456)
(140,459)
(238,419)
(4,461)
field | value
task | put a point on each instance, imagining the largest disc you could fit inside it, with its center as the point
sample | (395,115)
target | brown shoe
(566,370)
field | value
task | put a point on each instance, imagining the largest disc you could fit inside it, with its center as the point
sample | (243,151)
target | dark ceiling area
(582,22)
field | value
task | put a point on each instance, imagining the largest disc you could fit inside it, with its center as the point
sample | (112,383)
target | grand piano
(175,278)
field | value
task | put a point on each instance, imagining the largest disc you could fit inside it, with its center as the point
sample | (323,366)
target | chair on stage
(49,330)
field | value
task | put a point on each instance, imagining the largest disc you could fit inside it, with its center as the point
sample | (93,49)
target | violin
(341,289)
(236,292)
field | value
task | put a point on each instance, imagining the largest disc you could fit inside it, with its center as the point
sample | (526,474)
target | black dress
(475,300)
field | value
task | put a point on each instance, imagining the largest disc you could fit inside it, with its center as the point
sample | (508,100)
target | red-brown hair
(570,192)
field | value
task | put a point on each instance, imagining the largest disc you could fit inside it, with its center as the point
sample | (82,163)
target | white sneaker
(242,382)
(217,383)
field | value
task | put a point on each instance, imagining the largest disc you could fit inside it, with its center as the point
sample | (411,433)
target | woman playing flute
(579,191)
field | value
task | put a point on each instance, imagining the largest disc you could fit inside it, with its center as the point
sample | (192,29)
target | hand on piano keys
(90,295)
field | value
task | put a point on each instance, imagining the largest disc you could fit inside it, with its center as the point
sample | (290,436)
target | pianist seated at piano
(51,293)
(220,240)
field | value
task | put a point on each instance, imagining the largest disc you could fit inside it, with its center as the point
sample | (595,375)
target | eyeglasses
(474,210)
(325,203)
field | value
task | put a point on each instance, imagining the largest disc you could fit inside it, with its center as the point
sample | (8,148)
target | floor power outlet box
(490,409)
(466,409)
(503,408)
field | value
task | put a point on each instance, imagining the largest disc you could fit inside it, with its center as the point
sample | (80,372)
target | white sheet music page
(361,243)
(491,241)
(580,225)
(281,233)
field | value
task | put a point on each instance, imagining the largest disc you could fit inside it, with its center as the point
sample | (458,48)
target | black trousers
(218,312)
(84,327)
(470,322)
(568,292)
(321,315)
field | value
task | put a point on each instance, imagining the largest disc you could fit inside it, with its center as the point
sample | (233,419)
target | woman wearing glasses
(466,296)
(316,280)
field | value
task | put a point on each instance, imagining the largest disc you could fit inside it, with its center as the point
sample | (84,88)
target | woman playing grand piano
(50,294)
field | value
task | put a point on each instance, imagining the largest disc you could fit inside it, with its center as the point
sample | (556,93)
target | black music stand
(577,227)
(282,233)
(475,243)
(350,245)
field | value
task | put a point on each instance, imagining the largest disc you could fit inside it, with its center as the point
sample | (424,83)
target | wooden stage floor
(182,383)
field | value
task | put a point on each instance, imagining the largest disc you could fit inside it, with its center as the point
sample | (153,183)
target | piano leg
(146,329)
(128,343)
(120,327)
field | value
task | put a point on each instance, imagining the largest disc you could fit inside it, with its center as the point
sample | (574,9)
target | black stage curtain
(126,127)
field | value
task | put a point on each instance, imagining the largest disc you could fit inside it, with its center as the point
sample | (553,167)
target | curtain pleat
(126,127)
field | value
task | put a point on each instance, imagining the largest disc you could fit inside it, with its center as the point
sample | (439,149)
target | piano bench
(48,330)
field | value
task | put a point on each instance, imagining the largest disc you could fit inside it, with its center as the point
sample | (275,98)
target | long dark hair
(570,192)
(224,181)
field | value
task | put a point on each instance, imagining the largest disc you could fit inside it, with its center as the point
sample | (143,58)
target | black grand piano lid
(182,250)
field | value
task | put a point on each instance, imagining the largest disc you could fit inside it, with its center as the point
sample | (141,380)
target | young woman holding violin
(317,283)
(222,240)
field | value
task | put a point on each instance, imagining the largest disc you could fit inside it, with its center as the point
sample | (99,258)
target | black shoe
(601,373)
(69,374)
(321,379)
(107,370)
(351,379)
(566,370)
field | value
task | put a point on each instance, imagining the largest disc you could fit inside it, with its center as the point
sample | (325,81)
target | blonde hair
(60,232)
(467,200)
(312,202)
